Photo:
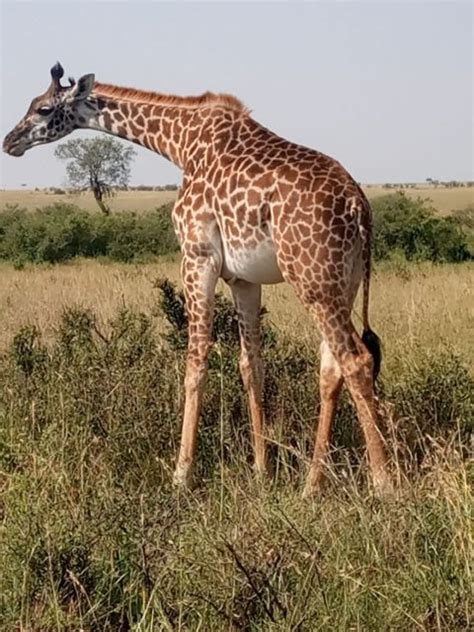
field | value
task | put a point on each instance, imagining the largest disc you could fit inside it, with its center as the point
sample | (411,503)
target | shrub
(63,231)
(137,236)
(411,226)
(464,217)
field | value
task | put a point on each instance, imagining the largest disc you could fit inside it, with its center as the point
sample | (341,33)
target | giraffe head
(52,115)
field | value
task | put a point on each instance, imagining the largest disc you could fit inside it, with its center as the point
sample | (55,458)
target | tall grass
(95,538)
(413,307)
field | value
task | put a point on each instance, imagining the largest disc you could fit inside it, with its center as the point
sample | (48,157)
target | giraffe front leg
(247,299)
(199,279)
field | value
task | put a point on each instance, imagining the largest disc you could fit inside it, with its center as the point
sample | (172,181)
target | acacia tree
(100,164)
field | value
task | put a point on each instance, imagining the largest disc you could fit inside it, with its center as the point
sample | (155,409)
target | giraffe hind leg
(357,368)
(330,387)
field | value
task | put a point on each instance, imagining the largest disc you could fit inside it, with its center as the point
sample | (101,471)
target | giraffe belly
(256,265)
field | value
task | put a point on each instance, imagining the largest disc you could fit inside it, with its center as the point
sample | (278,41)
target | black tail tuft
(372,342)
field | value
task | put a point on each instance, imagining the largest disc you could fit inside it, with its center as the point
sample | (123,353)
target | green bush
(464,217)
(137,236)
(61,232)
(412,227)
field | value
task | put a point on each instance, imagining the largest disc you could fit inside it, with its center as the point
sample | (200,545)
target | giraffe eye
(44,111)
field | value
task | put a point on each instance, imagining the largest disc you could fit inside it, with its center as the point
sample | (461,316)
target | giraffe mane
(155,98)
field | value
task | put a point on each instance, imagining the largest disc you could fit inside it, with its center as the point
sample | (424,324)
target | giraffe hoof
(182,478)
(262,473)
(308,492)
(314,485)
(311,491)
(383,487)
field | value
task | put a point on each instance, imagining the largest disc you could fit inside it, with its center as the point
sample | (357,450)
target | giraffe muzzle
(13,144)
(14,150)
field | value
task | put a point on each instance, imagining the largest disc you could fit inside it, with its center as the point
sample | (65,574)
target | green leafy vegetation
(404,229)
(412,228)
(94,537)
(58,233)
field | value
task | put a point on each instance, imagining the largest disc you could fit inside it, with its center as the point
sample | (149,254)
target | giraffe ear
(82,89)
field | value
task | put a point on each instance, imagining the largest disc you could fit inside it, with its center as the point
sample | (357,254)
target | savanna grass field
(92,350)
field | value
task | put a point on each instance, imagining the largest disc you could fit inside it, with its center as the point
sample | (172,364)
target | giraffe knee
(245,368)
(196,367)
(359,369)
(330,381)
(251,370)
(195,378)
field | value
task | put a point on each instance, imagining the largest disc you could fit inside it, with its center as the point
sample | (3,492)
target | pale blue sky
(384,87)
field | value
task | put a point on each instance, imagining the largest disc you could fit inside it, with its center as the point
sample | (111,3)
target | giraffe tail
(369,337)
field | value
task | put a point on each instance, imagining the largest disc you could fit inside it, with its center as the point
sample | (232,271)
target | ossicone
(57,72)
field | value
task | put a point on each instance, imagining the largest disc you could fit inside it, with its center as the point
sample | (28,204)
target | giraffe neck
(176,127)
(151,126)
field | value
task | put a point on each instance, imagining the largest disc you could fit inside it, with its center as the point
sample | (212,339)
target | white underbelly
(258,265)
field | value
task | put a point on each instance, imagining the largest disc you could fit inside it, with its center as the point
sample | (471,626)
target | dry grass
(94,537)
(444,199)
(424,305)
(123,201)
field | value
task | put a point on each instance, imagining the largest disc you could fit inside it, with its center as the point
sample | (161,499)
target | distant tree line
(447,184)
(139,187)
(149,187)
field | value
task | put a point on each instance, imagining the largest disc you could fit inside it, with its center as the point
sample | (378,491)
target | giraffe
(253,209)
